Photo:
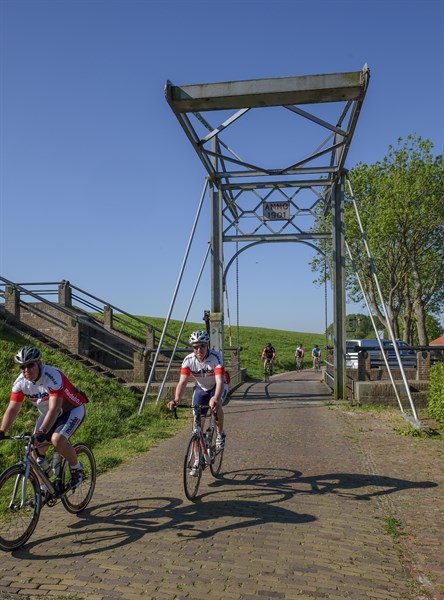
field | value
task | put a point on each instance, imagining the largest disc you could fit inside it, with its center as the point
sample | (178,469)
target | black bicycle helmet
(27,354)
(199,336)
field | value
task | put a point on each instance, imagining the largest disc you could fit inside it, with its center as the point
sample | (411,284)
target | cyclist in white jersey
(207,368)
(60,404)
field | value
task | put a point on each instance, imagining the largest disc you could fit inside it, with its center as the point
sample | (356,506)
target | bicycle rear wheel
(216,455)
(191,482)
(18,515)
(78,499)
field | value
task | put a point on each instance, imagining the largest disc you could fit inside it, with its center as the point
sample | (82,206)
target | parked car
(352,347)
(407,355)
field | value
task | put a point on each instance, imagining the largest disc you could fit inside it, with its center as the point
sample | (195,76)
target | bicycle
(299,363)
(268,369)
(202,452)
(21,498)
(316,362)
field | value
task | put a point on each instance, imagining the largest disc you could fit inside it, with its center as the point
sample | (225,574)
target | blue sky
(99,184)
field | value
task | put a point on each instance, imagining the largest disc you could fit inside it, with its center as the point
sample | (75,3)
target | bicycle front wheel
(192,475)
(216,455)
(20,505)
(77,499)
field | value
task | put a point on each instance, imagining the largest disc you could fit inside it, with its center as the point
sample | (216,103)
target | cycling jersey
(51,382)
(316,352)
(269,352)
(204,372)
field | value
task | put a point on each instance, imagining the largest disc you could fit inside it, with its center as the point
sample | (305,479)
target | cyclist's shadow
(360,486)
(114,524)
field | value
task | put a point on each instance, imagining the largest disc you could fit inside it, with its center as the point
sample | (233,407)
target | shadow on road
(356,485)
(115,524)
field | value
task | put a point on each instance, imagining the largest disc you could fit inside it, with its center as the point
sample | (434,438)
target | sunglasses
(30,365)
(199,347)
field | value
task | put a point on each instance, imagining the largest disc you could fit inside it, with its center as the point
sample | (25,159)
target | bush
(436,393)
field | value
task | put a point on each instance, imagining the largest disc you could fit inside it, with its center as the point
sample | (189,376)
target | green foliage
(436,393)
(434,328)
(358,326)
(401,208)
(400,205)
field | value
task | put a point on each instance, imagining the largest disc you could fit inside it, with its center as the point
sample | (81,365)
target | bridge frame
(318,172)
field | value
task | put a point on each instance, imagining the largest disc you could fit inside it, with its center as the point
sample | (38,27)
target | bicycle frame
(201,452)
(197,431)
(29,462)
(268,369)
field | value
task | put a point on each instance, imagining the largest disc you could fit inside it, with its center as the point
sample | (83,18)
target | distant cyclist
(316,356)
(207,367)
(268,354)
(299,356)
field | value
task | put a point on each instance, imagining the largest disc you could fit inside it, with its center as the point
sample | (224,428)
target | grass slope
(252,340)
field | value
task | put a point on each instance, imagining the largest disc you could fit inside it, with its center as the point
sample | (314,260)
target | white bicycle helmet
(27,354)
(199,336)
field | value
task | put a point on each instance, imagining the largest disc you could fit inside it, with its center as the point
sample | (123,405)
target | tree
(434,328)
(401,206)
(357,326)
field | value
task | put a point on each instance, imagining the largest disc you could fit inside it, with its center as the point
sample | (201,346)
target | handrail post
(12,301)
(422,365)
(150,341)
(65,294)
(108,317)
(141,366)
(235,360)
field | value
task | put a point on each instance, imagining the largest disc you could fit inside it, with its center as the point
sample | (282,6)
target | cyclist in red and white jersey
(207,368)
(268,354)
(299,355)
(60,404)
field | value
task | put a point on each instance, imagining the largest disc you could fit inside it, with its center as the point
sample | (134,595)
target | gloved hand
(41,435)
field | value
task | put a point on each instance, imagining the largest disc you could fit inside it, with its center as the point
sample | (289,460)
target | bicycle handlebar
(21,436)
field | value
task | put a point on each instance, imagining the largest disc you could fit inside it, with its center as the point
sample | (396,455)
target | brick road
(300,512)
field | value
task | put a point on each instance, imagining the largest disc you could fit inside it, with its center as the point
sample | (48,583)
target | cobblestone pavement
(303,509)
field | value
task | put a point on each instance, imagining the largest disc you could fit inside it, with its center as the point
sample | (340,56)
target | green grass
(252,340)
(113,427)
(393,526)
